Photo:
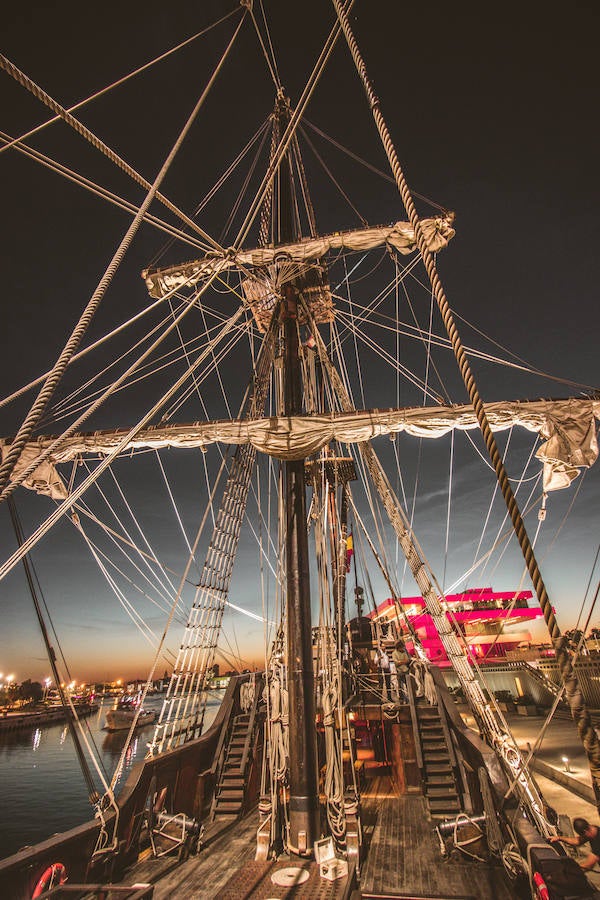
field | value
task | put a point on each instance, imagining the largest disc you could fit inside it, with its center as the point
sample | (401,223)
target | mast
(304,795)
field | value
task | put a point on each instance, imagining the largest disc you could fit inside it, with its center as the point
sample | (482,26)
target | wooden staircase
(229,794)
(438,761)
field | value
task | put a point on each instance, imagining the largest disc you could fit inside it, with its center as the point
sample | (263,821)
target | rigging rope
(103,193)
(83,352)
(489,719)
(24,433)
(289,132)
(9,564)
(66,699)
(120,81)
(579,711)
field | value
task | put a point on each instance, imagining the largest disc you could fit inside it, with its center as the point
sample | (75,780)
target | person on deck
(400,663)
(585,833)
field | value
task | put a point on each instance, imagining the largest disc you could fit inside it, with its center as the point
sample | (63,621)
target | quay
(18,721)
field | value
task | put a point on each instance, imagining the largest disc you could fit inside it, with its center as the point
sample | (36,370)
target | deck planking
(203,875)
(402,857)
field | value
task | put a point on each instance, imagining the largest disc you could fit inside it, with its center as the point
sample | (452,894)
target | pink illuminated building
(491,622)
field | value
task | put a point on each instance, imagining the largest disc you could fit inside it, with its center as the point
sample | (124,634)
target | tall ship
(239,436)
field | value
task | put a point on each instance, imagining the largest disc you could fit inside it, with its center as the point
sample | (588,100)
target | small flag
(349,551)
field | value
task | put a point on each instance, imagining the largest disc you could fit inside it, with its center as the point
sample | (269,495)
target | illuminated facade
(491,622)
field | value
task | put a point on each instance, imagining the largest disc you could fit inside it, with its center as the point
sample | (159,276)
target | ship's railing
(102,891)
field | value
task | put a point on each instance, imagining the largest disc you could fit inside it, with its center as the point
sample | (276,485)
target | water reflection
(113,743)
(39,765)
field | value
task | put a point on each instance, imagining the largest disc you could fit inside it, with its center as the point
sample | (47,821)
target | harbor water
(41,784)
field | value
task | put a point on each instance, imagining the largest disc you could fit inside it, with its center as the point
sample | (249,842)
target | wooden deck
(403,853)
(403,858)
(203,876)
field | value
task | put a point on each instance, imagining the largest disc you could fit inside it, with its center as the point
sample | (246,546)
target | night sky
(493,111)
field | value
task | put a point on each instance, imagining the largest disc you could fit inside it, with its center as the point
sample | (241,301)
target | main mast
(303,784)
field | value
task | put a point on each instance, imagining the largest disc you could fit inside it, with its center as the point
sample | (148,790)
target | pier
(19,721)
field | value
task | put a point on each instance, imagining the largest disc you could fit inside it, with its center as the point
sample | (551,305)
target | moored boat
(128,713)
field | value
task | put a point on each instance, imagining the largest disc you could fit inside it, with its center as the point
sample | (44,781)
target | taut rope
(579,712)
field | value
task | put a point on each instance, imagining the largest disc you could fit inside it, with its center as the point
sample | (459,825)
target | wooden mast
(303,783)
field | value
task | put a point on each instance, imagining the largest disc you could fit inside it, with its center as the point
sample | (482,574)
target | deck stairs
(229,794)
(233,760)
(437,760)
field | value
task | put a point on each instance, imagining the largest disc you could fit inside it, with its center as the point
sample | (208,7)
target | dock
(20,721)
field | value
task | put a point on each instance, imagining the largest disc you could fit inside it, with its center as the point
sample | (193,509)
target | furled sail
(568,428)
(438,231)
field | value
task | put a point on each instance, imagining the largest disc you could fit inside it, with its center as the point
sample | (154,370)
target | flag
(349,551)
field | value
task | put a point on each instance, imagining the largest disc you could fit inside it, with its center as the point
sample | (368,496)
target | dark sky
(493,111)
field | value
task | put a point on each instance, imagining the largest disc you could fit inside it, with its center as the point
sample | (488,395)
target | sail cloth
(567,426)
(438,231)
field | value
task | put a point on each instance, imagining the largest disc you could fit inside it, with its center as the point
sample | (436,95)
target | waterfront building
(493,623)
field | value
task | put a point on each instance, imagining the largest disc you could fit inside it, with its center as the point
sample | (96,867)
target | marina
(280,400)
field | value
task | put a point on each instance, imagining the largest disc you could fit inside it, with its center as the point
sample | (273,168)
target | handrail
(224,729)
(448,739)
(251,721)
(415,722)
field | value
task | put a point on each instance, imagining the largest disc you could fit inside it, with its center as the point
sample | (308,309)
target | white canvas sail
(568,428)
(438,232)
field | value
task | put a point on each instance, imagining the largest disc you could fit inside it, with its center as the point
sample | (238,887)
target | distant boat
(125,711)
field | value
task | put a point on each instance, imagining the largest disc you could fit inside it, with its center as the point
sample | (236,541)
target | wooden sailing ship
(276,784)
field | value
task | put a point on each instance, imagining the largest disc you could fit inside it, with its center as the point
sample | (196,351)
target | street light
(565,760)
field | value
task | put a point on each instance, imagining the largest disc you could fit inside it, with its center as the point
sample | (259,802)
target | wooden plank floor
(201,877)
(404,856)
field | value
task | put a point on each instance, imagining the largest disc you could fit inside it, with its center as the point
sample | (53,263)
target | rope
(83,352)
(489,719)
(369,166)
(57,443)
(495,839)
(579,711)
(119,81)
(64,507)
(73,719)
(25,431)
(103,193)
(271,63)
(89,136)
(290,131)
(450,483)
